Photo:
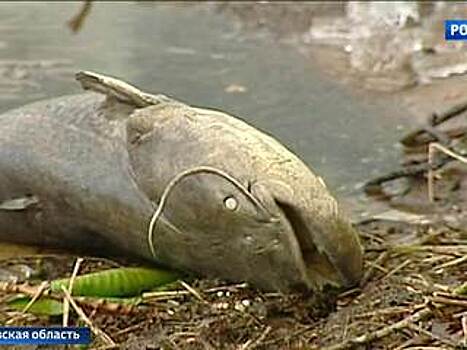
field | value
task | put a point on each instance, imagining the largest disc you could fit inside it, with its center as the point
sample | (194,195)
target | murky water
(200,57)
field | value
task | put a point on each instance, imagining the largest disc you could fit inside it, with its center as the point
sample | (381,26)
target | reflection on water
(391,45)
(199,56)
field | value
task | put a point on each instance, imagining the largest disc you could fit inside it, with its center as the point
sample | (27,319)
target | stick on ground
(412,138)
(97,331)
(382,332)
(66,305)
(431,154)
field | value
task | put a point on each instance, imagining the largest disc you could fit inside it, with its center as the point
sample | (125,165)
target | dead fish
(118,169)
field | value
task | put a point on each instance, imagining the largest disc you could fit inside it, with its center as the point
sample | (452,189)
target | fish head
(325,244)
(236,204)
(265,232)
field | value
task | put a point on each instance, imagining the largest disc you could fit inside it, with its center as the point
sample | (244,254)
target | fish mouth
(321,265)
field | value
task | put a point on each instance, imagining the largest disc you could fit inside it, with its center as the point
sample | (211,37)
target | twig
(436,139)
(42,287)
(368,235)
(464,328)
(22,288)
(432,147)
(410,248)
(405,345)
(390,311)
(291,336)
(449,293)
(437,135)
(406,322)
(192,291)
(451,263)
(420,330)
(375,265)
(129,329)
(420,347)
(227,288)
(97,331)
(349,292)
(408,171)
(176,293)
(251,344)
(165,294)
(76,22)
(413,170)
(448,301)
(96,303)
(382,332)
(66,305)
(397,268)
(107,306)
(436,119)
(110,347)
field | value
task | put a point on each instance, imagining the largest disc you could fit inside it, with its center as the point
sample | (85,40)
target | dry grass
(407,299)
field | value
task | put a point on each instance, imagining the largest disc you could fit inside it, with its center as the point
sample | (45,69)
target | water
(196,55)
(395,44)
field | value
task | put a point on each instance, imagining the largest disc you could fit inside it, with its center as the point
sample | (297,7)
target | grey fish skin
(98,168)
(76,165)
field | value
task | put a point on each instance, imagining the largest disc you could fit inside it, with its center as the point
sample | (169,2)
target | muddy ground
(415,253)
(413,265)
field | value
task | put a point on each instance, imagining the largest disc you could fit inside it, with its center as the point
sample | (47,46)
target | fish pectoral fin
(120,90)
(21,203)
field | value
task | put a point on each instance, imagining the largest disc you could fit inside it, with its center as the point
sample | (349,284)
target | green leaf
(119,282)
(461,290)
(42,306)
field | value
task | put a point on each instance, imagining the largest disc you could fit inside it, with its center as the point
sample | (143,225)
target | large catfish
(190,188)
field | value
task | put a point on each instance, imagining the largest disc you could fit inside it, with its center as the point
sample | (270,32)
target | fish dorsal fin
(120,90)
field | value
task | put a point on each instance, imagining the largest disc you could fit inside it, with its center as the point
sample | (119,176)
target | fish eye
(230,203)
